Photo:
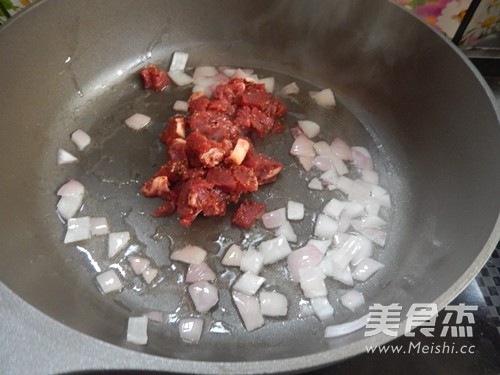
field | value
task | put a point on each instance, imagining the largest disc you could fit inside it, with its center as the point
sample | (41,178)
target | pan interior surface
(402,91)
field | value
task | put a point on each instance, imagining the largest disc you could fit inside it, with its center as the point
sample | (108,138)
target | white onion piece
(341,149)
(180,78)
(69,205)
(322,148)
(109,281)
(312,282)
(243,73)
(204,295)
(287,231)
(305,257)
(155,316)
(344,222)
(369,176)
(340,274)
(360,191)
(315,184)
(179,61)
(322,308)
(149,274)
(354,209)
(181,106)
(99,226)
(249,309)
(64,157)
(78,229)
(346,328)
(199,272)
(294,210)
(340,238)
(305,309)
(339,165)
(344,184)
(80,139)
(372,206)
(321,245)
(366,268)
(274,249)
(306,162)
(71,188)
(330,177)
(291,88)
(203,89)
(302,146)
(323,98)
(137,121)
(362,158)
(217,80)
(268,84)
(189,254)
(137,330)
(372,221)
(334,208)
(310,128)
(273,304)
(378,191)
(323,162)
(138,264)
(233,256)
(352,300)
(365,251)
(274,219)
(325,226)
(342,256)
(117,242)
(248,283)
(205,71)
(227,71)
(203,81)
(384,200)
(376,235)
(190,330)
(252,261)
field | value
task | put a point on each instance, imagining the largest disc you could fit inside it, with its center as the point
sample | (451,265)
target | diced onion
(323,162)
(305,257)
(190,329)
(295,210)
(268,83)
(330,177)
(248,283)
(138,264)
(321,245)
(312,282)
(109,281)
(323,98)
(149,274)
(291,88)
(274,219)
(189,254)
(179,61)
(366,268)
(233,256)
(71,188)
(137,121)
(64,157)
(274,249)
(117,242)
(352,300)
(310,128)
(78,229)
(137,330)
(334,208)
(205,71)
(325,226)
(204,295)
(346,328)
(252,261)
(180,78)
(344,184)
(181,106)
(80,139)
(306,162)
(249,309)
(69,205)
(99,226)
(369,176)
(273,304)
(302,146)
(322,308)
(286,230)
(322,148)
(341,149)
(199,272)
(360,191)
(362,158)
(315,184)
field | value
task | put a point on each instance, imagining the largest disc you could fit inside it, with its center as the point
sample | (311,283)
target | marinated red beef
(154,78)
(211,159)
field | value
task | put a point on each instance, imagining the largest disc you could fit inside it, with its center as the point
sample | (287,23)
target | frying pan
(404,92)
